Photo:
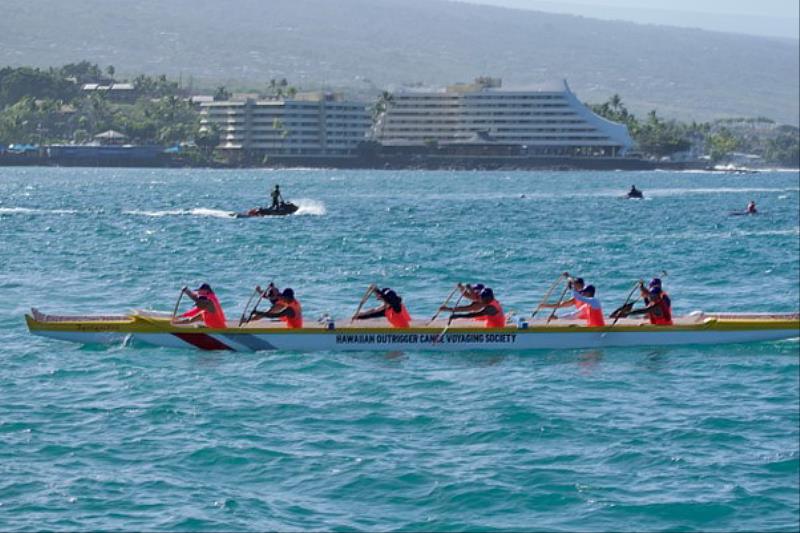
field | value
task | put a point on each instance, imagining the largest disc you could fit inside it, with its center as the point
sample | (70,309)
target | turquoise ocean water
(687,438)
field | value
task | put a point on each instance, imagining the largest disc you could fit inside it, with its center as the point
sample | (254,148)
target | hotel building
(482,117)
(313,125)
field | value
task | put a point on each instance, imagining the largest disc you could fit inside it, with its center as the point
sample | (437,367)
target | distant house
(116,92)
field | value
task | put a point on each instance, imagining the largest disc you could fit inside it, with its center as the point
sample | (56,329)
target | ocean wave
(683,191)
(29,210)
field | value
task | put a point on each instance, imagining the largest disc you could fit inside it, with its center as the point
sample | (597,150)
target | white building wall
(547,118)
(289,127)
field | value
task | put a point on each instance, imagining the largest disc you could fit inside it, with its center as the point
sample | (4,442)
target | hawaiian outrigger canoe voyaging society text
(479,324)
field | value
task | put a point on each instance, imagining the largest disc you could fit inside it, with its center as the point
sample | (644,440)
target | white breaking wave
(21,210)
(310,207)
(718,190)
(197,211)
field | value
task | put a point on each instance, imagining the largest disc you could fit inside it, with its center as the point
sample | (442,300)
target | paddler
(592,310)
(576,284)
(751,208)
(207,308)
(486,308)
(392,307)
(285,307)
(587,307)
(658,306)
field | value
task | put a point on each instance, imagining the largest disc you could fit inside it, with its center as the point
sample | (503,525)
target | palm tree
(616,102)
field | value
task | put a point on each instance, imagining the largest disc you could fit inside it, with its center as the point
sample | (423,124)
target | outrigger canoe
(156,329)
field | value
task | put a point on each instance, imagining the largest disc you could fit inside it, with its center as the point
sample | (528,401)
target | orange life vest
(296,321)
(398,320)
(214,320)
(497,320)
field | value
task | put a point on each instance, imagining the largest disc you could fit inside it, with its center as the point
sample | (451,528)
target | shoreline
(473,163)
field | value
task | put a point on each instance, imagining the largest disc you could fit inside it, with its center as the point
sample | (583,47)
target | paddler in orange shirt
(587,307)
(392,307)
(285,307)
(487,308)
(207,308)
(578,285)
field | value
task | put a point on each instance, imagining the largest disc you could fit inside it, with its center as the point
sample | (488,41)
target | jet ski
(280,210)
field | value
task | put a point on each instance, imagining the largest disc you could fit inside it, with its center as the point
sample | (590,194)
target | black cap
(205,287)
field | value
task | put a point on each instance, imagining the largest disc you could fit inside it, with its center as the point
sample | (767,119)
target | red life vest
(296,321)
(214,320)
(398,320)
(663,317)
(497,320)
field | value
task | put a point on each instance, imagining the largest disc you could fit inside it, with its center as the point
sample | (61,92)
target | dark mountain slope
(682,72)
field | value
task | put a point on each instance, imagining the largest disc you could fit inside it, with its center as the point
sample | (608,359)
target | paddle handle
(364,299)
(436,315)
(547,294)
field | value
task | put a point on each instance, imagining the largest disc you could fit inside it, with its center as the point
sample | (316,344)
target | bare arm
(373,313)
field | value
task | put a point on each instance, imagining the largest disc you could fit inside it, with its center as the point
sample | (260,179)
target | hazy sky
(771,18)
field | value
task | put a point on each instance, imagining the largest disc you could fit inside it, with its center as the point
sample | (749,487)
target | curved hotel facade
(482,117)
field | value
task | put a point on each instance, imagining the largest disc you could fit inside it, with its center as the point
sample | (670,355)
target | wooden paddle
(547,295)
(440,336)
(260,297)
(637,285)
(244,318)
(372,288)
(178,303)
(443,304)
(561,299)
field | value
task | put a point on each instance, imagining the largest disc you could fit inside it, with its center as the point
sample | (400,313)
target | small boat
(156,329)
(282,209)
(635,194)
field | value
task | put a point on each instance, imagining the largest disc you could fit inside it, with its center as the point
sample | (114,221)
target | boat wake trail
(310,207)
(197,212)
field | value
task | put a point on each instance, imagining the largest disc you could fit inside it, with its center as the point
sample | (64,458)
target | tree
(222,94)
(722,144)
(382,104)
(207,139)
(110,71)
